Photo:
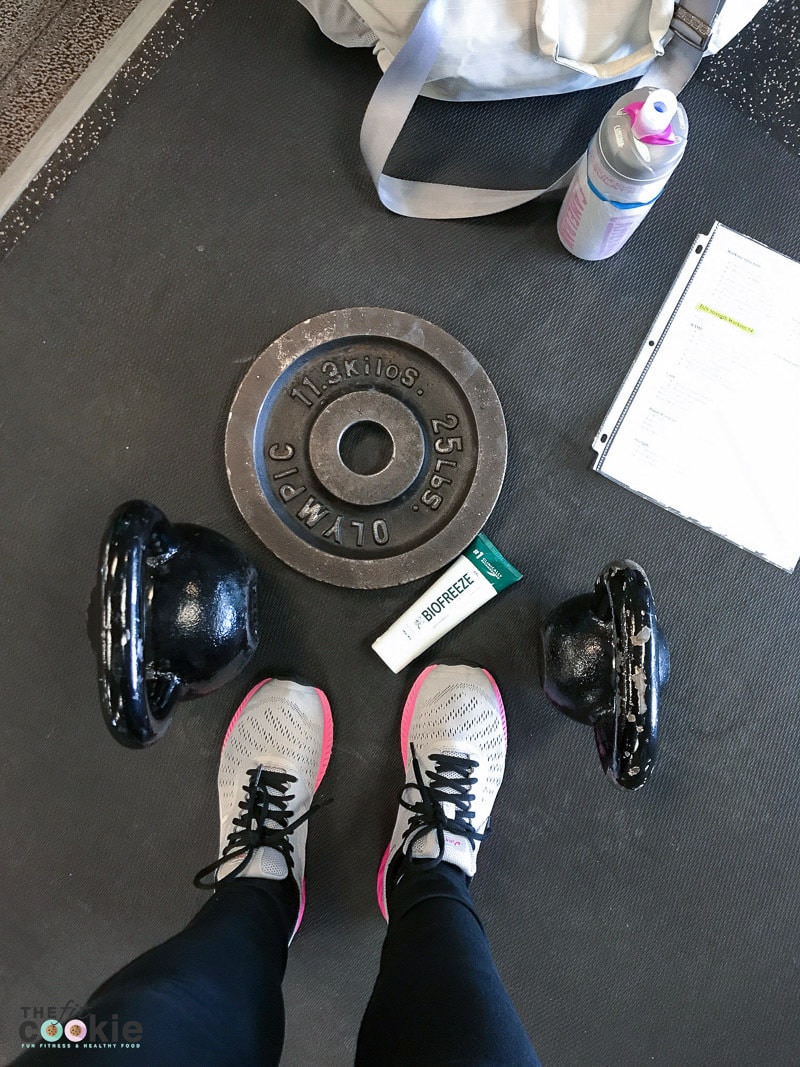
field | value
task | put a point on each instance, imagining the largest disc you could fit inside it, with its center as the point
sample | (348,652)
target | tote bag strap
(402,83)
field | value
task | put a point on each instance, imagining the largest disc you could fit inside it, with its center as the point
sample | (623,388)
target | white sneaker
(453,742)
(274,756)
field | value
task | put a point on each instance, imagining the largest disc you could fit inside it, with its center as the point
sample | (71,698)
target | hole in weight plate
(366,447)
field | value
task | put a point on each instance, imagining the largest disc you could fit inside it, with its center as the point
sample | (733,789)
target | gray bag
(498,49)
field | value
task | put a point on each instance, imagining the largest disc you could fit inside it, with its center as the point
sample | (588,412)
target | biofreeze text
(459,586)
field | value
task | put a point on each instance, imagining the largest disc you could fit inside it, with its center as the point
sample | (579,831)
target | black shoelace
(450,783)
(265,800)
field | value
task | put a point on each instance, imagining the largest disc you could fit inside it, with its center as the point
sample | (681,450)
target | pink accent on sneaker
(301,911)
(241,708)
(499,701)
(408,712)
(327,737)
(382,884)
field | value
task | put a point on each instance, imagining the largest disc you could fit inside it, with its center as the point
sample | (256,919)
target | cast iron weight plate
(447,435)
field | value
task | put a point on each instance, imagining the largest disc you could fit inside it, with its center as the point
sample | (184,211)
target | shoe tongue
(265,863)
(456,847)
(270,861)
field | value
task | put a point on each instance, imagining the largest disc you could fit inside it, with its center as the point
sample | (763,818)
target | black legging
(211,995)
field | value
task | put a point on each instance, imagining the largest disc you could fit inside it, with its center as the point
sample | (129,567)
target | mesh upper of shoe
(282,728)
(456,712)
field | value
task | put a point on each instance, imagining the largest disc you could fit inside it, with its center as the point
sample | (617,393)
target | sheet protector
(707,422)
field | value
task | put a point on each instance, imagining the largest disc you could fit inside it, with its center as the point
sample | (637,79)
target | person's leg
(438,999)
(211,995)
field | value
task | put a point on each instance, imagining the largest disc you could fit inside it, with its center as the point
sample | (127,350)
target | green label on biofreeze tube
(491,564)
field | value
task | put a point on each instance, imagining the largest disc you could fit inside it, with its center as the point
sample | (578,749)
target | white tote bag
(500,49)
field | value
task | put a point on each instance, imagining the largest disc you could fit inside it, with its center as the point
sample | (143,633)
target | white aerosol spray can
(623,172)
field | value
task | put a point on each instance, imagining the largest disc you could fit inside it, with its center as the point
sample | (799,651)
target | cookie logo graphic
(51,1030)
(75,1030)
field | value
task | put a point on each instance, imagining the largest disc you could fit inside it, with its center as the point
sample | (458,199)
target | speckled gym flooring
(44,46)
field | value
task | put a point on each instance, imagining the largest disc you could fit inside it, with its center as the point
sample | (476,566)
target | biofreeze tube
(476,576)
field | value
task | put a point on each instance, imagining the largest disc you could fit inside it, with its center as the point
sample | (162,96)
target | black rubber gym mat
(228,204)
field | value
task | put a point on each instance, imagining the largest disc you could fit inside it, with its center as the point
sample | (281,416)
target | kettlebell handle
(138,536)
(604,661)
(626,735)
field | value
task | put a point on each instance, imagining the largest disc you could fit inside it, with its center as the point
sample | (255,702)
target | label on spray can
(621,174)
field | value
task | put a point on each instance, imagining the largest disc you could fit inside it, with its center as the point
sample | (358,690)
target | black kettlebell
(604,660)
(178,618)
